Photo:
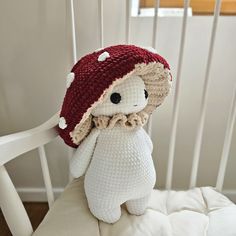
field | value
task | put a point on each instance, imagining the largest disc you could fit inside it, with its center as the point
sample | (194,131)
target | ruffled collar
(130,121)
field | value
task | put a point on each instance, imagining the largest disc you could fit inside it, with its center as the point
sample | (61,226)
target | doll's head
(118,85)
(128,97)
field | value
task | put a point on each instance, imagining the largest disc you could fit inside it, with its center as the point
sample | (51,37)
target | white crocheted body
(117,159)
(121,168)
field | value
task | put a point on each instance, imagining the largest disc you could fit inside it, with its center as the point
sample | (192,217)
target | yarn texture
(121,171)
(95,75)
(114,152)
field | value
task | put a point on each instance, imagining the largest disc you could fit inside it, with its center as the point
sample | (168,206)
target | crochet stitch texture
(103,115)
(121,171)
(94,78)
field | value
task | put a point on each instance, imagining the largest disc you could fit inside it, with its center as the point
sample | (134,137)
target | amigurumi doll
(110,95)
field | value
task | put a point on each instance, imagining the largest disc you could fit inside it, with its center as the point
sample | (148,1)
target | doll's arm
(148,140)
(80,161)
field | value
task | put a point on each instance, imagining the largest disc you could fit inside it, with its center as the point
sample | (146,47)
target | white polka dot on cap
(103,56)
(62,123)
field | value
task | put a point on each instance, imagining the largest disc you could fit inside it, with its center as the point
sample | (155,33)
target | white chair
(197,211)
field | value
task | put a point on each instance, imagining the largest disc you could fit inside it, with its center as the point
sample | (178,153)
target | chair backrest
(14,145)
(176,101)
(177,80)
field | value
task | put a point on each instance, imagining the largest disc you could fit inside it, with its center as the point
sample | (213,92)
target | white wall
(35,56)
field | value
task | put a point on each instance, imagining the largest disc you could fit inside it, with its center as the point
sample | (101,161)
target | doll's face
(128,97)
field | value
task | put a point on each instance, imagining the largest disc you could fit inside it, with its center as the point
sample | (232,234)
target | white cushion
(196,212)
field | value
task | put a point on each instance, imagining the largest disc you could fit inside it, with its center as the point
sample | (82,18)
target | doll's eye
(145,93)
(115,98)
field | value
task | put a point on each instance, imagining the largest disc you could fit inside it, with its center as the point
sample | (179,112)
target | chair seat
(196,212)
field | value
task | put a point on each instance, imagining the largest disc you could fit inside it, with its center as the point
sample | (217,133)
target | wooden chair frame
(13,145)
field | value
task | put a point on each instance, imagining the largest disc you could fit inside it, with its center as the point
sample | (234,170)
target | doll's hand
(80,161)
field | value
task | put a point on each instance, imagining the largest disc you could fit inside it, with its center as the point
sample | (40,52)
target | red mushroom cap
(94,74)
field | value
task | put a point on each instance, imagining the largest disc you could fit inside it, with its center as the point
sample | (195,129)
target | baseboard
(36,194)
(39,194)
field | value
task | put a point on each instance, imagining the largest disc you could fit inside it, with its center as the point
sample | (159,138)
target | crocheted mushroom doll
(110,95)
